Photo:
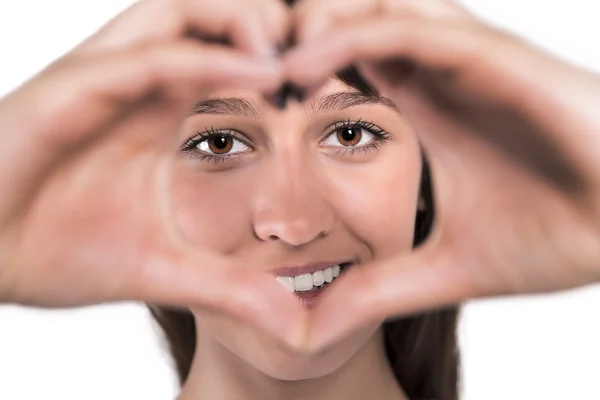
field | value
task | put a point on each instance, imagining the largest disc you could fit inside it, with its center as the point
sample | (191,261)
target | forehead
(334,85)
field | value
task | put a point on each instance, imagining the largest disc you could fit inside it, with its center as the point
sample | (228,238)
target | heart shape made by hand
(514,173)
(516,191)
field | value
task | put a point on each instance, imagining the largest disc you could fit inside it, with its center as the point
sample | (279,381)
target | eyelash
(189,146)
(379,136)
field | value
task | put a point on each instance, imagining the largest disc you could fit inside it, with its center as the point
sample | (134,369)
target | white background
(546,347)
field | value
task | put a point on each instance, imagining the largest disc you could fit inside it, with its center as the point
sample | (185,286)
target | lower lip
(309,299)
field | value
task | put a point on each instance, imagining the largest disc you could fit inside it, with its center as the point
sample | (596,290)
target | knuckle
(153,63)
(481,49)
(308,9)
(241,22)
(170,12)
(278,17)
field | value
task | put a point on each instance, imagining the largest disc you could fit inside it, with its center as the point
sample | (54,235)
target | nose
(291,206)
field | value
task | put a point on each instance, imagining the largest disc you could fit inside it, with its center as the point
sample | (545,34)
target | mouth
(310,281)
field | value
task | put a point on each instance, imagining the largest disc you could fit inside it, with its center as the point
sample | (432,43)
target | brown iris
(349,136)
(220,144)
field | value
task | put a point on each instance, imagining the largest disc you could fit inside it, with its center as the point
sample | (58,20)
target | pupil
(220,142)
(349,134)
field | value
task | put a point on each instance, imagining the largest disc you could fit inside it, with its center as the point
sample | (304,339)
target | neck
(218,374)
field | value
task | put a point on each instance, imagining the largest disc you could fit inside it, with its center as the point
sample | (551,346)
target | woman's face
(332,181)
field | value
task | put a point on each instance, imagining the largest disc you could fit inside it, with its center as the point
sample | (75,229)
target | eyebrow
(226,106)
(322,105)
(342,100)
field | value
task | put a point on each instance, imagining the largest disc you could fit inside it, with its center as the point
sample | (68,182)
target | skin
(102,147)
(297,195)
(513,150)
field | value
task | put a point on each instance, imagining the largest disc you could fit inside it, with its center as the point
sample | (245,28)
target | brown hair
(422,349)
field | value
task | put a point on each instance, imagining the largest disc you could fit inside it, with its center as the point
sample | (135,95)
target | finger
(250,27)
(277,19)
(315,17)
(250,296)
(451,46)
(398,287)
(473,60)
(67,105)
(86,95)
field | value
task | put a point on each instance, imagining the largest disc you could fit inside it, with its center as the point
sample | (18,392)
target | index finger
(315,17)
(253,26)
(431,44)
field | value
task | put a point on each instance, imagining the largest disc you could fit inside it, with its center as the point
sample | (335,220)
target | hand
(512,136)
(85,144)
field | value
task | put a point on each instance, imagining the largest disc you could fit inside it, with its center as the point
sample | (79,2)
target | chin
(281,364)
(243,348)
(297,368)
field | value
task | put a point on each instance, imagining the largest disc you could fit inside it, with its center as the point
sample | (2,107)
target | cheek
(207,210)
(378,201)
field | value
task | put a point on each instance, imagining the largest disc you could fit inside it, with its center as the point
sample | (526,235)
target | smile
(309,281)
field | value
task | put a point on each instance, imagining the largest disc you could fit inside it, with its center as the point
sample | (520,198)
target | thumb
(402,285)
(209,282)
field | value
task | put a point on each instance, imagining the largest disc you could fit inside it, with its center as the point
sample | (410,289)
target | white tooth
(287,282)
(328,274)
(303,282)
(336,271)
(318,278)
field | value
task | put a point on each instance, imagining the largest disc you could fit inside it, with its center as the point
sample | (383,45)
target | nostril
(295,233)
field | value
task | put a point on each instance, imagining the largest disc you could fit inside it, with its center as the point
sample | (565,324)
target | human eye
(216,145)
(355,136)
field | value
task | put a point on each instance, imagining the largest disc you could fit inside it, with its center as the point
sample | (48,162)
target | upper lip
(306,269)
